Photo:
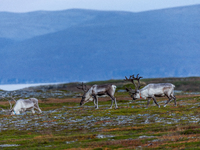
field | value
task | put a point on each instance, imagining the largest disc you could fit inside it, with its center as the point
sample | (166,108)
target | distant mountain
(6,42)
(87,45)
(20,26)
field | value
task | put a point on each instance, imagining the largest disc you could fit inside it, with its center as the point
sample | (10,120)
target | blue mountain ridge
(102,45)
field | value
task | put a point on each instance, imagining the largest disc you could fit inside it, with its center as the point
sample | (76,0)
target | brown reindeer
(98,90)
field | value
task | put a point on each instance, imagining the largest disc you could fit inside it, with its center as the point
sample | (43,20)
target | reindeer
(151,91)
(98,90)
(23,105)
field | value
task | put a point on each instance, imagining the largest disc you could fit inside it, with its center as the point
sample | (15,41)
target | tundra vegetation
(63,124)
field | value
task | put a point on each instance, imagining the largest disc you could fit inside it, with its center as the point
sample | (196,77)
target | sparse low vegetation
(65,125)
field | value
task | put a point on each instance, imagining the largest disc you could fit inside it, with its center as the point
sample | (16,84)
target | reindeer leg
(148,101)
(174,99)
(33,110)
(40,110)
(112,99)
(96,98)
(154,99)
(169,99)
(115,103)
(36,107)
(111,104)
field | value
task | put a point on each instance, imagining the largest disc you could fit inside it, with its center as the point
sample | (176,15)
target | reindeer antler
(138,79)
(9,101)
(132,78)
(10,105)
(83,87)
(12,98)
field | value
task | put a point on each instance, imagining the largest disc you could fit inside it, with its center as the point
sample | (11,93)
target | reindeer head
(86,96)
(11,110)
(135,94)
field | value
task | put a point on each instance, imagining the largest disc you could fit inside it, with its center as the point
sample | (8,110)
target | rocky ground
(73,126)
(63,124)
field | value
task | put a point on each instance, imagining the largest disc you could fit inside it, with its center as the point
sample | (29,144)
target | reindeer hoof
(158,106)
(165,105)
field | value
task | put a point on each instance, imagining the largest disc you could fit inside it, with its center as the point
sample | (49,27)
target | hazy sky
(124,5)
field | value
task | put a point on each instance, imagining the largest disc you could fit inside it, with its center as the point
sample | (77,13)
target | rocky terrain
(63,124)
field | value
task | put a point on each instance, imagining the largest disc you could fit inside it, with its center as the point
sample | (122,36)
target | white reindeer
(98,90)
(151,91)
(23,105)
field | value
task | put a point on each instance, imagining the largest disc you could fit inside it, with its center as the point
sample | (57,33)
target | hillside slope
(109,45)
(20,26)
